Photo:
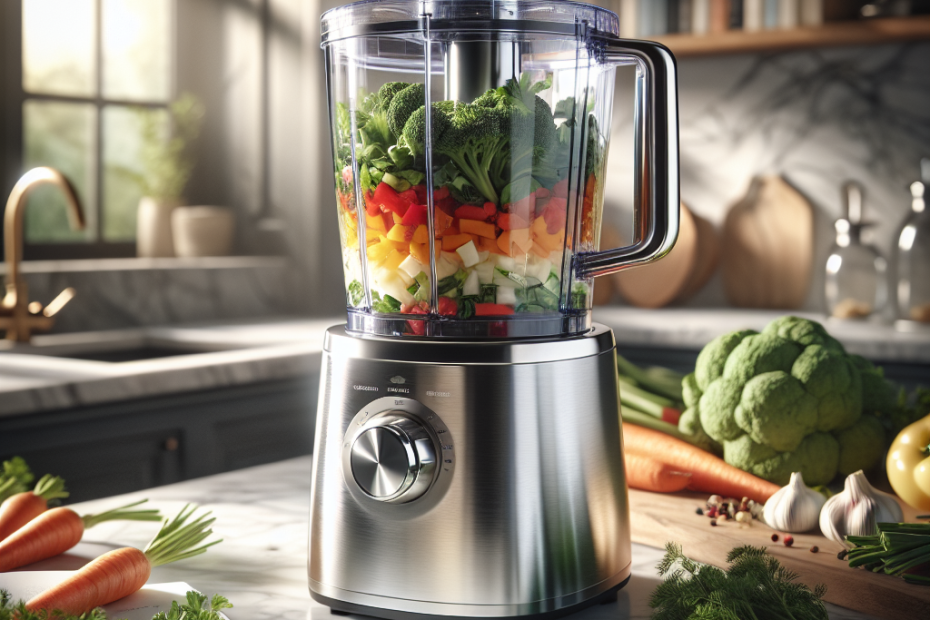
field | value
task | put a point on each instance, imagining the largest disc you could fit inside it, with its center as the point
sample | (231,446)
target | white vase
(153,228)
(203,231)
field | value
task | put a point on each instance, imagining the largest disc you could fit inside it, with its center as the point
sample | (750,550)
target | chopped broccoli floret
(403,104)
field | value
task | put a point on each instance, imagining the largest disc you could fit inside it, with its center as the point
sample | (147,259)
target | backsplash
(818,117)
(117,294)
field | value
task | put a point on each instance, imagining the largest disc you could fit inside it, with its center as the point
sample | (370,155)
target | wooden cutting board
(767,246)
(658,284)
(657,518)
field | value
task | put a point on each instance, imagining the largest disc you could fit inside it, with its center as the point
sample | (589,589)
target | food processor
(468,452)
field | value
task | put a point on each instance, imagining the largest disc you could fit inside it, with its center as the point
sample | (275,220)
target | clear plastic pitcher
(470,142)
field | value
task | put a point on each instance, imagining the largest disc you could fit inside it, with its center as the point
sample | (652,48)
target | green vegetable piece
(717,409)
(713,357)
(877,394)
(834,382)
(15,477)
(760,353)
(775,410)
(355,293)
(862,445)
(18,611)
(386,93)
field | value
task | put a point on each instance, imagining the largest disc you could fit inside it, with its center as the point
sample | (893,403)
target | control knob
(393,458)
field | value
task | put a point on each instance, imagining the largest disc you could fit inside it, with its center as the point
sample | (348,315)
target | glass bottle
(855,282)
(913,258)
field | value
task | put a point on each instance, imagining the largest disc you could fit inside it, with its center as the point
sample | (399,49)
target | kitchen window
(91,72)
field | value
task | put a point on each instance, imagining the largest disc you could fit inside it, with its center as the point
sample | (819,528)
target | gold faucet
(17,316)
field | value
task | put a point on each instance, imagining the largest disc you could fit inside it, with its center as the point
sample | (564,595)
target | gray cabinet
(121,447)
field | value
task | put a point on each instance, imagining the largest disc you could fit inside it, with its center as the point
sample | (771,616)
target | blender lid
(371,17)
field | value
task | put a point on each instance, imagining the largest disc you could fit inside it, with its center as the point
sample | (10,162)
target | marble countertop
(229,354)
(261,514)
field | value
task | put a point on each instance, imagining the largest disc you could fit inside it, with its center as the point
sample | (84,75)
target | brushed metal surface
(530,513)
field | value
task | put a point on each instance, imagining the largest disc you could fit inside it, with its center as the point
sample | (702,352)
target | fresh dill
(754,586)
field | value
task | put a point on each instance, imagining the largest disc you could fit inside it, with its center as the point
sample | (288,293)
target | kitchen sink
(114,346)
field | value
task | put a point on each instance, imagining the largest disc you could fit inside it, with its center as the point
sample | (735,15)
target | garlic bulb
(857,510)
(794,507)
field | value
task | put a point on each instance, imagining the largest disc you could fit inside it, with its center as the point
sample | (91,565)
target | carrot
(119,573)
(649,474)
(57,530)
(18,510)
(708,472)
(112,576)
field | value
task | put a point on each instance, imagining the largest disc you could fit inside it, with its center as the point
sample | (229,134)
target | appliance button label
(438,394)
(365,388)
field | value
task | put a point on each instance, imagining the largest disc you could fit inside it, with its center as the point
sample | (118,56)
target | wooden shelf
(865,32)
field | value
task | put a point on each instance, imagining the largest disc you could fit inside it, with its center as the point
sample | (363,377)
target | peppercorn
(815,549)
(774,537)
(699,511)
(713,522)
(789,540)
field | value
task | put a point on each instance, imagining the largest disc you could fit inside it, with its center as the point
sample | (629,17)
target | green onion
(897,549)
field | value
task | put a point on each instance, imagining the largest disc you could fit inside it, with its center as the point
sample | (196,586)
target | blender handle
(656,195)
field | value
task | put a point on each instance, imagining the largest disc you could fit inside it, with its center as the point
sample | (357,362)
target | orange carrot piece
(708,472)
(18,510)
(51,533)
(482,229)
(454,242)
(649,474)
(110,577)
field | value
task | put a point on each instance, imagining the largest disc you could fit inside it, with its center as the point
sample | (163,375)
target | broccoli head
(404,103)
(690,424)
(775,410)
(861,445)
(414,132)
(772,397)
(834,382)
(816,456)
(690,392)
(713,357)
(475,137)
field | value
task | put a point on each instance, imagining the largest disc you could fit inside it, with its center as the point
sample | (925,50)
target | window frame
(13,117)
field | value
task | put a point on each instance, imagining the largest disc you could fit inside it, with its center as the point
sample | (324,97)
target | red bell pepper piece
(447,205)
(492,309)
(471,212)
(415,216)
(560,189)
(542,192)
(490,208)
(420,191)
(448,307)
(371,207)
(410,196)
(441,193)
(389,200)
(554,217)
(511,221)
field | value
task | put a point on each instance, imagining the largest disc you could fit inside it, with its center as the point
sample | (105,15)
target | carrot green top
(178,540)
(50,487)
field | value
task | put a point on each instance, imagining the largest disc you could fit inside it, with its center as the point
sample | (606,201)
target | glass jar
(913,258)
(856,271)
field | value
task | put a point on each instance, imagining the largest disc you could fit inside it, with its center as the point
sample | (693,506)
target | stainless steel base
(514,501)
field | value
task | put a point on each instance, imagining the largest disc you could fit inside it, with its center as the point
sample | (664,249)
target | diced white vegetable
(391,284)
(471,286)
(556,259)
(485,272)
(451,257)
(445,268)
(506,296)
(406,279)
(411,266)
(483,256)
(506,263)
(503,281)
(469,254)
(540,270)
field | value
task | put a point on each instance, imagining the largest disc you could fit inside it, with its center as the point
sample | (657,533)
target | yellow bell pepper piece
(908,464)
